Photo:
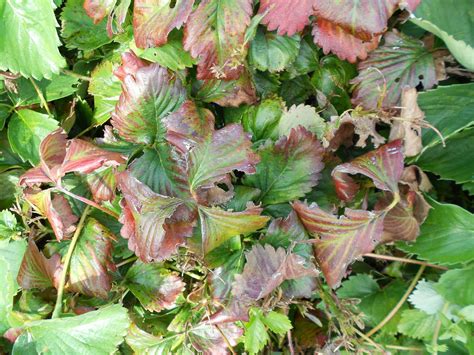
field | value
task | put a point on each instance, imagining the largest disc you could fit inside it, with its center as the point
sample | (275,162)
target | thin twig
(404,260)
(399,304)
(126,261)
(290,343)
(368,340)
(67,260)
(76,75)
(88,202)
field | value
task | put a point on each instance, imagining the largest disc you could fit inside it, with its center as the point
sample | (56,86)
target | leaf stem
(88,202)
(404,260)
(43,101)
(399,304)
(290,343)
(67,260)
(76,75)
(434,341)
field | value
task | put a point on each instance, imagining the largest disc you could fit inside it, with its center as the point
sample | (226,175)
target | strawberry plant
(236,176)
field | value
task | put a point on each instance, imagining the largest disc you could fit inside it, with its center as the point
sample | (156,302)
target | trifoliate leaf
(289,169)
(97,332)
(447,236)
(28,39)
(400,62)
(384,166)
(78,29)
(341,240)
(272,52)
(149,93)
(37,271)
(153,20)
(91,261)
(215,34)
(155,287)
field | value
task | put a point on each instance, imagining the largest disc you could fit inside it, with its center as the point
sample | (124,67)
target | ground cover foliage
(236,176)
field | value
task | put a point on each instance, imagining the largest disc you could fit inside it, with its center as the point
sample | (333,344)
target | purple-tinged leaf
(37,271)
(400,62)
(102,184)
(57,210)
(153,20)
(217,225)
(289,169)
(403,221)
(340,240)
(59,156)
(229,93)
(97,10)
(209,340)
(215,33)
(155,287)
(149,93)
(226,150)
(155,225)
(286,16)
(91,261)
(384,166)
(189,126)
(265,270)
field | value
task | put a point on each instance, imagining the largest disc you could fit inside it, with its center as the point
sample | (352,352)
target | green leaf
(426,298)
(448,108)
(447,236)
(400,62)
(454,27)
(272,52)
(143,343)
(12,252)
(256,335)
(467,313)
(57,87)
(92,260)
(289,169)
(358,286)
(8,225)
(7,292)
(106,89)
(277,322)
(170,55)
(301,115)
(453,162)
(262,120)
(28,39)
(218,225)
(78,29)
(26,130)
(457,286)
(97,332)
(417,324)
(155,287)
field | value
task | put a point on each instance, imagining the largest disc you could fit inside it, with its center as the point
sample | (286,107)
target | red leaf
(57,210)
(98,9)
(37,271)
(189,126)
(286,16)
(334,38)
(340,240)
(209,340)
(403,221)
(384,166)
(265,270)
(231,93)
(102,184)
(215,34)
(149,93)
(153,20)
(151,222)
(226,150)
